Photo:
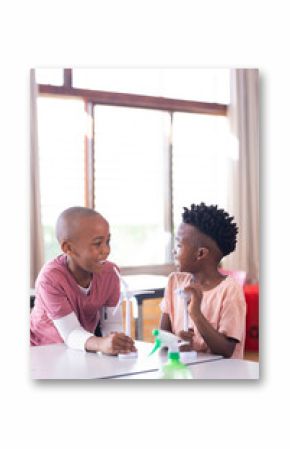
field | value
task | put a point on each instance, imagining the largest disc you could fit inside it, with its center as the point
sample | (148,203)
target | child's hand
(187,336)
(196,294)
(117,343)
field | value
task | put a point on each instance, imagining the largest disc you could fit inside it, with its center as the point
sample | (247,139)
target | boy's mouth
(99,264)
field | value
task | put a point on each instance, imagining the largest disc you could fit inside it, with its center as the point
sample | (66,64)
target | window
(130,148)
(200,161)
(148,156)
(61,159)
(53,77)
(211,85)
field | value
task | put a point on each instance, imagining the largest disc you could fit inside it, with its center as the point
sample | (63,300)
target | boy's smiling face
(89,246)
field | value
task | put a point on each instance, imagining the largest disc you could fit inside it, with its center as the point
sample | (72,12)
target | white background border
(152,33)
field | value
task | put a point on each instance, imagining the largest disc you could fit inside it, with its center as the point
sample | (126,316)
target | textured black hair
(214,222)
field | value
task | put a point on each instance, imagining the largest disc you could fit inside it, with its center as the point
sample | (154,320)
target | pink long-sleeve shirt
(57,295)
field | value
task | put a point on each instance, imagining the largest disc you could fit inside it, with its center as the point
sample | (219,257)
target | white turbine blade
(117,272)
(118,304)
(182,294)
(128,294)
(128,317)
(125,285)
(185,315)
(121,279)
(185,297)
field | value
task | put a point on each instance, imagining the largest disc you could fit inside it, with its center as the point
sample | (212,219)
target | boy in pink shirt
(217,307)
(72,289)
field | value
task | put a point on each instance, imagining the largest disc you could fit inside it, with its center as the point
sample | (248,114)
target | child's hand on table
(116,343)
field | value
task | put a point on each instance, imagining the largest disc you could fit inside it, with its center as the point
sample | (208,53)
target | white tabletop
(59,362)
(218,369)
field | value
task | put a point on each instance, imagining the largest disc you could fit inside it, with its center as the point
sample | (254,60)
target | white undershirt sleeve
(72,333)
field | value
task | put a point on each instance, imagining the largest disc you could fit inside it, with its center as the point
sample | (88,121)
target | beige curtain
(36,237)
(244,185)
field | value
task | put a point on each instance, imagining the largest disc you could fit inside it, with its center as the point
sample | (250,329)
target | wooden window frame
(92,98)
(135,101)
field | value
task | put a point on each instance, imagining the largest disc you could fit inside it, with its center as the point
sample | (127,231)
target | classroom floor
(151,317)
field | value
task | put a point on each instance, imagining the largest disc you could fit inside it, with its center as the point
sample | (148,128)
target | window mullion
(89,156)
(168,206)
(67,78)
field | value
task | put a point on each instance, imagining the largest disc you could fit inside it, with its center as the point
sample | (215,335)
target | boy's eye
(98,244)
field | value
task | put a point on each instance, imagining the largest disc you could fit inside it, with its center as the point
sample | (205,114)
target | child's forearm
(217,342)
(114,343)
(94,344)
(165,323)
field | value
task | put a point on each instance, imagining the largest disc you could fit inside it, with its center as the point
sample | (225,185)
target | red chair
(251,292)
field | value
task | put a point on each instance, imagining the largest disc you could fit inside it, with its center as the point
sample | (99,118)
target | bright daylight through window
(147,163)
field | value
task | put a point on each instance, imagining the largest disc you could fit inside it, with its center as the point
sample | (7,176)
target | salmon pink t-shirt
(224,307)
(57,294)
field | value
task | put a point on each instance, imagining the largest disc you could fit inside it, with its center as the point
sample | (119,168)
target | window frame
(93,98)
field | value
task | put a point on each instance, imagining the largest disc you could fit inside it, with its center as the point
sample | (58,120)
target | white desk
(218,369)
(59,362)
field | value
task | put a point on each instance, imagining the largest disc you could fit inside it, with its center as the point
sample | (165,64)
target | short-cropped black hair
(214,222)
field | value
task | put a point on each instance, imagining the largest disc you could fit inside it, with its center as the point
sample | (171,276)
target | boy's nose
(105,251)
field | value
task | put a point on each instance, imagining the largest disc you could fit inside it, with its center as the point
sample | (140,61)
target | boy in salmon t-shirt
(72,289)
(217,307)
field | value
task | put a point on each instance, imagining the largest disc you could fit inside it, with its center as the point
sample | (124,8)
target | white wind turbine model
(128,295)
(185,297)
(188,356)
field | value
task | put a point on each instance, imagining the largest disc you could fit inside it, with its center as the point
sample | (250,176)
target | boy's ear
(202,252)
(66,247)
